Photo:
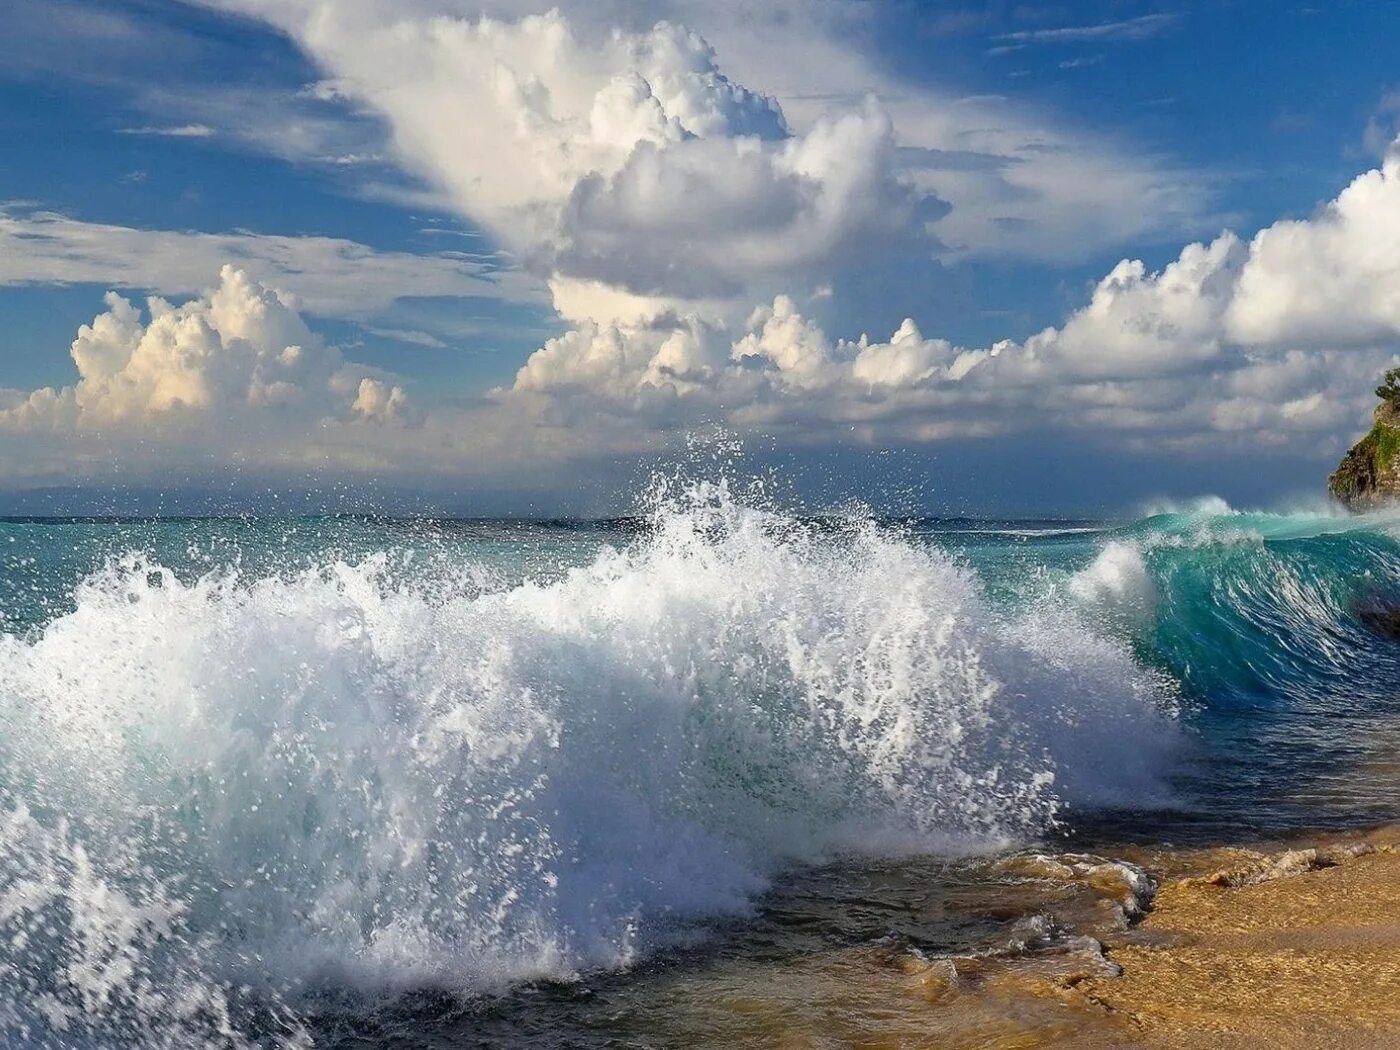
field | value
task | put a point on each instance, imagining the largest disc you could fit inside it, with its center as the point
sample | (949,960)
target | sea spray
(364,775)
(1117,585)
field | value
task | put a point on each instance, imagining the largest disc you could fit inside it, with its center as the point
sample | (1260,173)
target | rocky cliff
(1369,474)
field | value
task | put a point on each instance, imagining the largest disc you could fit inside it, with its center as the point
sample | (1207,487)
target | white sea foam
(358,776)
(1200,506)
(1117,584)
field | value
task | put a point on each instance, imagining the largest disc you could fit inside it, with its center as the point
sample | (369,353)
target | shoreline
(1289,942)
(1295,943)
(1299,947)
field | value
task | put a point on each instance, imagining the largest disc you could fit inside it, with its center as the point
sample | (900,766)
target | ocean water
(365,782)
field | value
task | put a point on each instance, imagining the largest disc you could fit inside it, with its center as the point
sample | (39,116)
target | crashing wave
(355,775)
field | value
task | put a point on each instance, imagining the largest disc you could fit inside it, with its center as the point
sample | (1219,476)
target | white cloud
(295,124)
(713,218)
(628,159)
(1274,341)
(1268,343)
(240,347)
(1139,28)
(1140,324)
(232,378)
(659,198)
(412,336)
(177,131)
(381,402)
(631,158)
(1334,278)
(328,276)
(1037,187)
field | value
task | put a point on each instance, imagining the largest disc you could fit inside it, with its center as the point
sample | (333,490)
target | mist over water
(249,767)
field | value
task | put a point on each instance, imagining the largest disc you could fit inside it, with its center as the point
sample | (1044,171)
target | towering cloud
(625,167)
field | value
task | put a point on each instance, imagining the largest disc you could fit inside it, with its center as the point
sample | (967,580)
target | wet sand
(1288,944)
(1291,945)
(1299,948)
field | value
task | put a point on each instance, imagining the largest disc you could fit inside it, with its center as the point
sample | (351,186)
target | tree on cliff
(1389,390)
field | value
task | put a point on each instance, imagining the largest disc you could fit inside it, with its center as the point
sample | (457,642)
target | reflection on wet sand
(1295,945)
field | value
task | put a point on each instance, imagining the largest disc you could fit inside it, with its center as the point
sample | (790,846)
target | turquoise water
(259,772)
(1273,630)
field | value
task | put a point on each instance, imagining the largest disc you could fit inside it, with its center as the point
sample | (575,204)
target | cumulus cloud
(1334,278)
(712,218)
(1141,324)
(234,374)
(1270,341)
(659,196)
(1017,182)
(628,160)
(626,165)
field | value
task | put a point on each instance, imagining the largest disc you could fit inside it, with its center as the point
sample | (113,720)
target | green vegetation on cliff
(1370,472)
(1357,474)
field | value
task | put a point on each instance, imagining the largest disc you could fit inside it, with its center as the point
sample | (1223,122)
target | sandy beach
(1286,944)
(1299,948)
(1296,946)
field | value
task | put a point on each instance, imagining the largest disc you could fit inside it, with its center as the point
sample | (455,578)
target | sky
(507,258)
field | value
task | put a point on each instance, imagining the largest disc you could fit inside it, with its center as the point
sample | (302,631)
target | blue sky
(1028,149)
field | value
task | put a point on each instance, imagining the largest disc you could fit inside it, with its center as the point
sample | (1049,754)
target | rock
(1379,612)
(1128,886)
(1369,474)
(1266,868)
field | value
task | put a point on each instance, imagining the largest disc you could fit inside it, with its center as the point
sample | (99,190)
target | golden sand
(1298,949)
(1297,946)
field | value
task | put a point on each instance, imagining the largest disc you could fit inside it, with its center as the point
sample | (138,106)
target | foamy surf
(376,775)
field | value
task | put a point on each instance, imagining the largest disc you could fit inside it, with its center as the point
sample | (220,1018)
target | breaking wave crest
(377,775)
(1290,612)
